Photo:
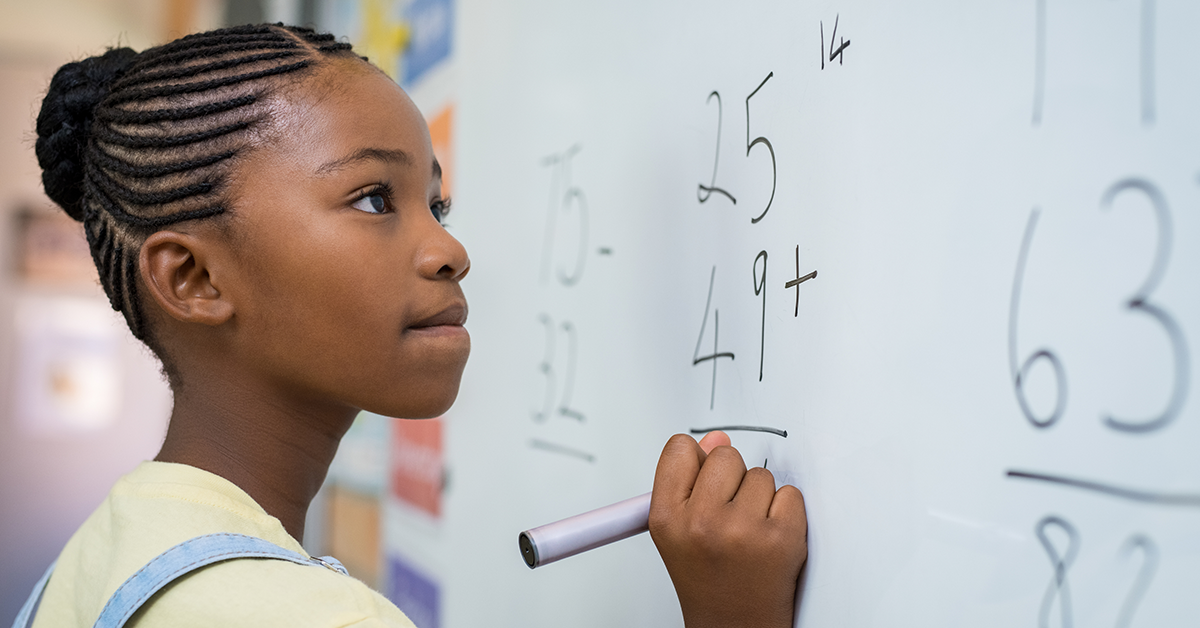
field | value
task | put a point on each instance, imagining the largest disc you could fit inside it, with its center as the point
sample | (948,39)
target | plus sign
(795,283)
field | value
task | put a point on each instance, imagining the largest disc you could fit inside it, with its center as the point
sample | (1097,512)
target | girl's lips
(452,316)
(439,331)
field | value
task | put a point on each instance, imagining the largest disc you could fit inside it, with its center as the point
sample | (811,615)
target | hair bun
(64,123)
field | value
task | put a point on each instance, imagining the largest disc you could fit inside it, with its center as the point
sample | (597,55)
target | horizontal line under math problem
(740,428)
(555,448)
(1112,490)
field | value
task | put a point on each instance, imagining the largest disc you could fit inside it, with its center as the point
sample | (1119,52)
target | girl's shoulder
(160,505)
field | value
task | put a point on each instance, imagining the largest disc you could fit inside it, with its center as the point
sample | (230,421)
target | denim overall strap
(187,557)
(172,564)
(25,617)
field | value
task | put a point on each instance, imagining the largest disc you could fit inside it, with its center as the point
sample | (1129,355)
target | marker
(573,535)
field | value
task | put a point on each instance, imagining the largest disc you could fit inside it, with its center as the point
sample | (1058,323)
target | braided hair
(130,143)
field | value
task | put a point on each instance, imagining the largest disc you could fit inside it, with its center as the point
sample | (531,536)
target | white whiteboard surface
(950,145)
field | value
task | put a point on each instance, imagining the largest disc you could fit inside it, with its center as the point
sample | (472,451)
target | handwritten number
(1039,63)
(706,191)
(546,367)
(562,203)
(1146,62)
(760,286)
(1142,582)
(833,54)
(564,407)
(1061,563)
(717,353)
(1140,302)
(575,194)
(1059,587)
(765,141)
(1021,373)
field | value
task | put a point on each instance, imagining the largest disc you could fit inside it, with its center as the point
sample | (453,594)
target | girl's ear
(175,271)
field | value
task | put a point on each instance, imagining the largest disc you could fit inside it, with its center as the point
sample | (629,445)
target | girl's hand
(732,544)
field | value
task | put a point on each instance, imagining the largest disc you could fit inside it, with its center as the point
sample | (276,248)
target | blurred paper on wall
(361,461)
(432,38)
(417,468)
(353,534)
(53,250)
(68,370)
(416,593)
(441,134)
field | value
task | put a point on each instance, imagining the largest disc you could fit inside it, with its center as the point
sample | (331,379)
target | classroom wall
(60,342)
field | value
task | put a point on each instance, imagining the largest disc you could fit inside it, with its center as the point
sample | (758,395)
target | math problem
(942,281)
(1062,535)
(759,266)
(565,249)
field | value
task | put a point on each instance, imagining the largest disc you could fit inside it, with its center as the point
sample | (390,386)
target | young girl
(264,208)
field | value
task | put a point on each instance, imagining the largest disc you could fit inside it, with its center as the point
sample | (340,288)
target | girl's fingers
(714,439)
(788,505)
(720,477)
(757,492)
(677,469)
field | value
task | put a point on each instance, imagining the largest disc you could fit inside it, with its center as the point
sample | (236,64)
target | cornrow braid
(213,50)
(130,143)
(158,115)
(192,87)
(192,70)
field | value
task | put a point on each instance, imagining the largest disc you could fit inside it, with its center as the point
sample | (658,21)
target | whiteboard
(989,387)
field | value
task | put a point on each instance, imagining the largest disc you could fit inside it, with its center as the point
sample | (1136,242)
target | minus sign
(538,443)
(796,282)
(604,250)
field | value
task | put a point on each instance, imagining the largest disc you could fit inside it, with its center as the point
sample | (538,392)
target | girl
(264,208)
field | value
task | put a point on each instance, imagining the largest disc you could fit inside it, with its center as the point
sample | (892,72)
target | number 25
(704,192)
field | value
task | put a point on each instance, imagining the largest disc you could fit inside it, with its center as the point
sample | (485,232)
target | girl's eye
(372,203)
(440,208)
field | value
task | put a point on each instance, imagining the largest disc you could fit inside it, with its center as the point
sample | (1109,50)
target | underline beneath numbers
(538,443)
(740,428)
(1132,494)
(714,356)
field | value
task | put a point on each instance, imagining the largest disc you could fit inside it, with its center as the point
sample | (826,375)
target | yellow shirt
(160,505)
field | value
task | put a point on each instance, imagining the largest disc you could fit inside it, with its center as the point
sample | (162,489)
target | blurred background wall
(81,402)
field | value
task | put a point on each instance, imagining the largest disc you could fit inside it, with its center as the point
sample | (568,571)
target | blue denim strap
(187,557)
(25,617)
(172,564)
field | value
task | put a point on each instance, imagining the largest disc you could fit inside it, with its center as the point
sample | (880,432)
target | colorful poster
(432,24)
(441,132)
(383,36)
(417,469)
(414,593)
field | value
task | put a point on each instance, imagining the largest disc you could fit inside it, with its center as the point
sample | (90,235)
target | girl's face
(347,285)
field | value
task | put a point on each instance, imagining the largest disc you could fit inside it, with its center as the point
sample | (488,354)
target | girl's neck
(275,448)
